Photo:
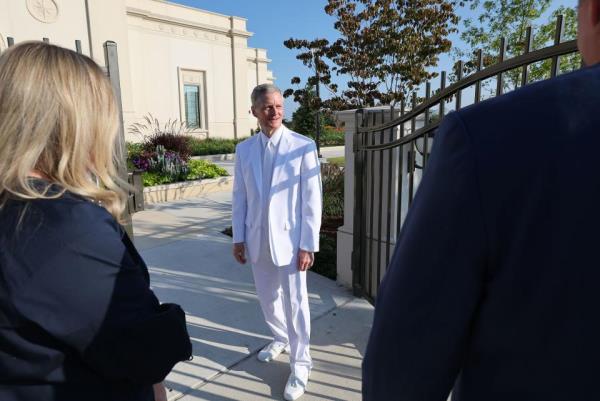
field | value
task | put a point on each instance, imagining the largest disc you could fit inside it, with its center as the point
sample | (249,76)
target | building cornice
(259,60)
(255,58)
(195,9)
(184,23)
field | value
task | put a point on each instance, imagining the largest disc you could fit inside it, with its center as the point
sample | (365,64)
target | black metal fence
(391,148)
(136,197)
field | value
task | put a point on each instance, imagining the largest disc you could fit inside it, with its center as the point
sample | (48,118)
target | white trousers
(283,298)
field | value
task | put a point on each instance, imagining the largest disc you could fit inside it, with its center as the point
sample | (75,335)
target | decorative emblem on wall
(43,10)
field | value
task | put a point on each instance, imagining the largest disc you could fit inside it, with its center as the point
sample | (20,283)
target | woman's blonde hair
(59,117)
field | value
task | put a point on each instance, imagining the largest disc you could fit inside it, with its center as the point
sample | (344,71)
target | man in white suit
(277,204)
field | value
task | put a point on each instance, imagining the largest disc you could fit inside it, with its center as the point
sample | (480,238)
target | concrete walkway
(190,263)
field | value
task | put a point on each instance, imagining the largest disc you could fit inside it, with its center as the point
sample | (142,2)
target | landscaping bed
(164,154)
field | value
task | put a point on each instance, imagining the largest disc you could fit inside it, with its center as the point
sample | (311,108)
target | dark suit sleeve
(429,296)
(92,294)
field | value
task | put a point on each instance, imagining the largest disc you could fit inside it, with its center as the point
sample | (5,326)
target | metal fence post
(357,230)
(560,26)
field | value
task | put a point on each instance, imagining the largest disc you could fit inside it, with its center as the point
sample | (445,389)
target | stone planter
(216,158)
(186,189)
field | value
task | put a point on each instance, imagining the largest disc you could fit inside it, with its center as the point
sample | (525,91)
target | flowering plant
(142,160)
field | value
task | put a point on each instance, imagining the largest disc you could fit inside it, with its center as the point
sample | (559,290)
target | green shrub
(333,190)
(332,136)
(333,204)
(212,146)
(332,176)
(326,259)
(194,170)
(150,179)
(134,149)
(199,169)
(338,161)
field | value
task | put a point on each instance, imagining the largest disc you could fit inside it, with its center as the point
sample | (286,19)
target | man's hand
(305,260)
(160,392)
(239,252)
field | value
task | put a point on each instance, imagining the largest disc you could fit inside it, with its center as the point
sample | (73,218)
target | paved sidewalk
(190,263)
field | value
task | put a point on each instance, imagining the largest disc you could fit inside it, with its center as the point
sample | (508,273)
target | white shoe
(272,351)
(294,388)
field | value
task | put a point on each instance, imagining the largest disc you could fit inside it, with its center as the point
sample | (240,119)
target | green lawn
(337,160)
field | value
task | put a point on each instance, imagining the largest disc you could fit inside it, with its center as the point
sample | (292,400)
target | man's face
(588,31)
(269,112)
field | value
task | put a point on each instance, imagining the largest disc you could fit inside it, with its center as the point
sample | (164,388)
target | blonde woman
(78,320)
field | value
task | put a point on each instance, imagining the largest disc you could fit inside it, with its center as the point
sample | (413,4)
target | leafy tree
(405,38)
(385,49)
(545,36)
(509,19)
(304,118)
(312,54)
(353,54)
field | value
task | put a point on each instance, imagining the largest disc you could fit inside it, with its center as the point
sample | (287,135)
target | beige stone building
(175,62)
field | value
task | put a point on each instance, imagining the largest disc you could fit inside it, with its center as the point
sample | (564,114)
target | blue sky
(272,22)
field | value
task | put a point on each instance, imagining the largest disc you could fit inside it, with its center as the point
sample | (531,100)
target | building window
(193,99)
(193,116)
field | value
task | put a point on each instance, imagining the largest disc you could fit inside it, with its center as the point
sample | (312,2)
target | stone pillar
(239,46)
(344,234)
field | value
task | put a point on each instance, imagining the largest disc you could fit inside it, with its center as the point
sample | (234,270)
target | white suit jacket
(295,199)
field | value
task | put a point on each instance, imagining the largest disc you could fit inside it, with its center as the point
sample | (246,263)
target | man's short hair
(260,91)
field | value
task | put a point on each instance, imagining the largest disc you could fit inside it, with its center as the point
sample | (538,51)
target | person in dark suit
(493,289)
(78,320)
